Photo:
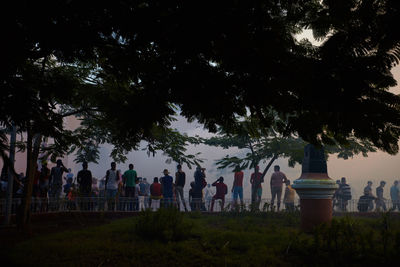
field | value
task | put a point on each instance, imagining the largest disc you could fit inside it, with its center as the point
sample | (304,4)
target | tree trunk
(253,156)
(33,146)
(11,176)
(269,165)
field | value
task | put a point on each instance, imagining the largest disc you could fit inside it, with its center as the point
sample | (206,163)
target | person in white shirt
(111,185)
(208,194)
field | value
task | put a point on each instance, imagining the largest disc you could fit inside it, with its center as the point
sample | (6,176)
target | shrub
(166,224)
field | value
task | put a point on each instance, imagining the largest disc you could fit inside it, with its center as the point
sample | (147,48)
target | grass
(170,238)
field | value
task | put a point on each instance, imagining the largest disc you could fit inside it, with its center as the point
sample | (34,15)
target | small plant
(166,224)
(385,230)
(227,208)
(266,207)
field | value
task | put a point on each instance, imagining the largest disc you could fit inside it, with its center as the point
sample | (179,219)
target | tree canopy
(214,61)
(257,146)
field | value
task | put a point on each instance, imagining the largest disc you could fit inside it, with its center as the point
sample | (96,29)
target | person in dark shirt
(167,182)
(368,188)
(55,180)
(222,190)
(344,194)
(380,201)
(180,179)
(364,201)
(191,196)
(199,184)
(44,186)
(84,179)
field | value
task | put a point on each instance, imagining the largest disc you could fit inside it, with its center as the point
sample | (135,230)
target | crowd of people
(366,202)
(127,191)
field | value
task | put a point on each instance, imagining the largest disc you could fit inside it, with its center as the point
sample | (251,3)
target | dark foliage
(214,61)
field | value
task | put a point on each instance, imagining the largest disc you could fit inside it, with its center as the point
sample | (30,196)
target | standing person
(336,196)
(156,193)
(67,187)
(111,186)
(344,194)
(167,182)
(44,186)
(237,186)
(129,180)
(380,201)
(395,195)
(221,191)
(277,180)
(84,179)
(180,179)
(208,194)
(199,184)
(364,201)
(191,196)
(36,190)
(120,192)
(137,189)
(142,194)
(288,199)
(146,193)
(368,191)
(56,182)
(69,175)
(256,188)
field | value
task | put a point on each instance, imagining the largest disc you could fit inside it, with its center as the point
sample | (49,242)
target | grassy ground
(170,238)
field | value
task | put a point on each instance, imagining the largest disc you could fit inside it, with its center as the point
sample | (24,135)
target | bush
(347,241)
(166,224)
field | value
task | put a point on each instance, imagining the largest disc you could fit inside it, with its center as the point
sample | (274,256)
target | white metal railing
(39,205)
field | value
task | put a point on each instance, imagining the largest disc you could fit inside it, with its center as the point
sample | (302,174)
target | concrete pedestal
(315,189)
(315,212)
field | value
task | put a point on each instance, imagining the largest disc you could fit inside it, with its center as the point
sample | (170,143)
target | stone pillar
(315,189)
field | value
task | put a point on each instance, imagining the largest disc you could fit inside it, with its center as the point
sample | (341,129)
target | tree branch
(78,111)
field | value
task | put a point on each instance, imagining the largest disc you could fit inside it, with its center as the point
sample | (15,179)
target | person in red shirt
(256,189)
(222,190)
(237,187)
(155,194)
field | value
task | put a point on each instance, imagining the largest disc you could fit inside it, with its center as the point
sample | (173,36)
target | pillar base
(314,212)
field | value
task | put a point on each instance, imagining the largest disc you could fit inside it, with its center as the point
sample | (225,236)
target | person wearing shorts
(277,180)
(237,187)
(256,179)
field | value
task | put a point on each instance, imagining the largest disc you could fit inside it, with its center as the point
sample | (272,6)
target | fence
(134,204)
